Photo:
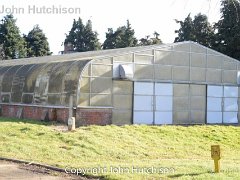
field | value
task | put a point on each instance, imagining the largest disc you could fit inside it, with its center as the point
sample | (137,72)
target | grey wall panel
(122,87)
(84,99)
(163,72)
(189,103)
(229,64)
(182,47)
(122,102)
(180,90)
(180,59)
(198,74)
(198,103)
(214,62)
(143,71)
(163,57)
(143,59)
(230,77)
(101,85)
(181,117)
(181,103)
(198,60)
(124,58)
(101,70)
(198,90)
(85,85)
(198,117)
(198,49)
(122,117)
(214,76)
(101,100)
(181,73)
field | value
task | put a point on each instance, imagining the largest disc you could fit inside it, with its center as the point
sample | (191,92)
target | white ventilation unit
(123,71)
(238,78)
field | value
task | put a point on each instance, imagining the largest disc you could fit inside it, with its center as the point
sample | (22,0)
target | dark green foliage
(228,29)
(198,30)
(12,43)
(1,52)
(186,30)
(150,41)
(122,37)
(37,44)
(81,37)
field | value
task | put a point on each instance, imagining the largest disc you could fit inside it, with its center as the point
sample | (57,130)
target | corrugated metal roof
(77,56)
(94,54)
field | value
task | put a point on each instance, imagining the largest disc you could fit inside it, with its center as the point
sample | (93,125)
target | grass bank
(125,152)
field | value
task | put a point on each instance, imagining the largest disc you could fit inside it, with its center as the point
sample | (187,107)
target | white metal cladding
(143,88)
(163,103)
(230,91)
(222,104)
(152,103)
(143,103)
(230,109)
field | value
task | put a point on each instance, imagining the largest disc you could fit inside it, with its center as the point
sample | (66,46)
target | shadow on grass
(29,121)
(190,174)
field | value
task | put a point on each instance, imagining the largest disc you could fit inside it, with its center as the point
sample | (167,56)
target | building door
(152,103)
(222,104)
(143,103)
(230,109)
(163,103)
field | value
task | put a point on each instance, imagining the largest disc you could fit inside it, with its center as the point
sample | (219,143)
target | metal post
(71,119)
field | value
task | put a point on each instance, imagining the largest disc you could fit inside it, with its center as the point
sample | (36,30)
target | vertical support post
(70,107)
(216,156)
(216,165)
(71,119)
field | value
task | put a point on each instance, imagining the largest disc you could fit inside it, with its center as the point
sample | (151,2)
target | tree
(37,44)
(81,37)
(150,41)
(228,29)
(122,37)
(203,31)
(1,52)
(10,39)
(198,30)
(186,30)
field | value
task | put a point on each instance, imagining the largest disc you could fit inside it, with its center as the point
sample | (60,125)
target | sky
(145,16)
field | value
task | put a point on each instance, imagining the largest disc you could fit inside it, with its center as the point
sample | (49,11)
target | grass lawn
(122,152)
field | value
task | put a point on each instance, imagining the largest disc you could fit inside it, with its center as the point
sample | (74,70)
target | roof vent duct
(238,78)
(126,71)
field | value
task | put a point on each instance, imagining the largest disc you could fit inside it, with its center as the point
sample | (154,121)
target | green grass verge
(174,151)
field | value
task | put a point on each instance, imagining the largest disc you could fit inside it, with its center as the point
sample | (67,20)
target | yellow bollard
(216,156)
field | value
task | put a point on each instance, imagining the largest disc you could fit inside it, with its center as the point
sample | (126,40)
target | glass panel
(144,88)
(230,91)
(143,118)
(215,91)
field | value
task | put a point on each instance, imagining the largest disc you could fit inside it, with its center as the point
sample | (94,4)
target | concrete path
(15,171)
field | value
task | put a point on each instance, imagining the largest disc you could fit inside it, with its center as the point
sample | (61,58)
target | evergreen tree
(13,44)
(1,52)
(37,44)
(198,30)
(122,37)
(228,29)
(82,38)
(150,41)
(203,31)
(186,30)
